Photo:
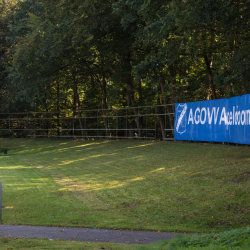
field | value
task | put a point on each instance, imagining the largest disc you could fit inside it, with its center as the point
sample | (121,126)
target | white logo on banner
(181,112)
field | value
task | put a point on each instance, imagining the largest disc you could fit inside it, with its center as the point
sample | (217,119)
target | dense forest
(99,54)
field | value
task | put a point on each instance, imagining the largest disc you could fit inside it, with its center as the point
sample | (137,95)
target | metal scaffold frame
(145,122)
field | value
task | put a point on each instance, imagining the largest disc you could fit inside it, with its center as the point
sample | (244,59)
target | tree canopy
(72,54)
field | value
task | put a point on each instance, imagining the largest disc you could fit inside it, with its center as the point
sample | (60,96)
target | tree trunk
(210,76)
(130,89)
(104,101)
(208,58)
(58,106)
(173,84)
(47,111)
(77,103)
(166,102)
(162,122)
(140,103)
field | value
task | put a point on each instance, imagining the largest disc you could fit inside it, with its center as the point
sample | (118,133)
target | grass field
(162,186)
(238,239)
(42,244)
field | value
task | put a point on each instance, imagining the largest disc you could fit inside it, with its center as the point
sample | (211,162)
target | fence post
(127,124)
(85,127)
(9,125)
(61,126)
(27,128)
(73,127)
(146,123)
(51,127)
(116,124)
(165,132)
(97,124)
(35,125)
(155,123)
(138,117)
(43,126)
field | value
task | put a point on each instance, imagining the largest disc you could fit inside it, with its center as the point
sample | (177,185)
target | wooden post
(155,123)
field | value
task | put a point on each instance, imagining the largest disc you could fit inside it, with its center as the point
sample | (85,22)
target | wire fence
(147,122)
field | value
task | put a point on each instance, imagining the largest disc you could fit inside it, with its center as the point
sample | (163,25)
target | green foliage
(99,54)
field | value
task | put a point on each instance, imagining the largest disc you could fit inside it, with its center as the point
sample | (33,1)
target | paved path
(84,234)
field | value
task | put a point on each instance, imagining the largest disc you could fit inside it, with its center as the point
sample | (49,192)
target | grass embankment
(170,186)
(42,244)
(238,239)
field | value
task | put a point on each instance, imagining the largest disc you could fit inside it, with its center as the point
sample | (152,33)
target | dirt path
(84,234)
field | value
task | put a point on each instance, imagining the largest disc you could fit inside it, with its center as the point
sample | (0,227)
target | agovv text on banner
(223,120)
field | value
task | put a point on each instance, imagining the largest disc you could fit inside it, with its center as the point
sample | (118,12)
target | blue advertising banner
(223,120)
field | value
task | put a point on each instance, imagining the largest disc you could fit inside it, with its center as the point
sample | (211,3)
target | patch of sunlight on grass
(137,179)
(176,167)
(85,145)
(16,167)
(4,157)
(157,170)
(12,184)
(139,146)
(115,184)
(85,158)
(23,188)
(187,173)
(75,185)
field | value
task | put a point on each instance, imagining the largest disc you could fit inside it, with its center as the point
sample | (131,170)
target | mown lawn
(42,244)
(237,239)
(146,185)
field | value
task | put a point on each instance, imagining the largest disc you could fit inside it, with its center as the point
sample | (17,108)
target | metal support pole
(51,127)
(9,125)
(61,127)
(126,123)
(116,125)
(73,127)
(155,123)
(27,127)
(97,124)
(146,123)
(35,125)
(43,126)
(138,137)
(85,127)
(165,131)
